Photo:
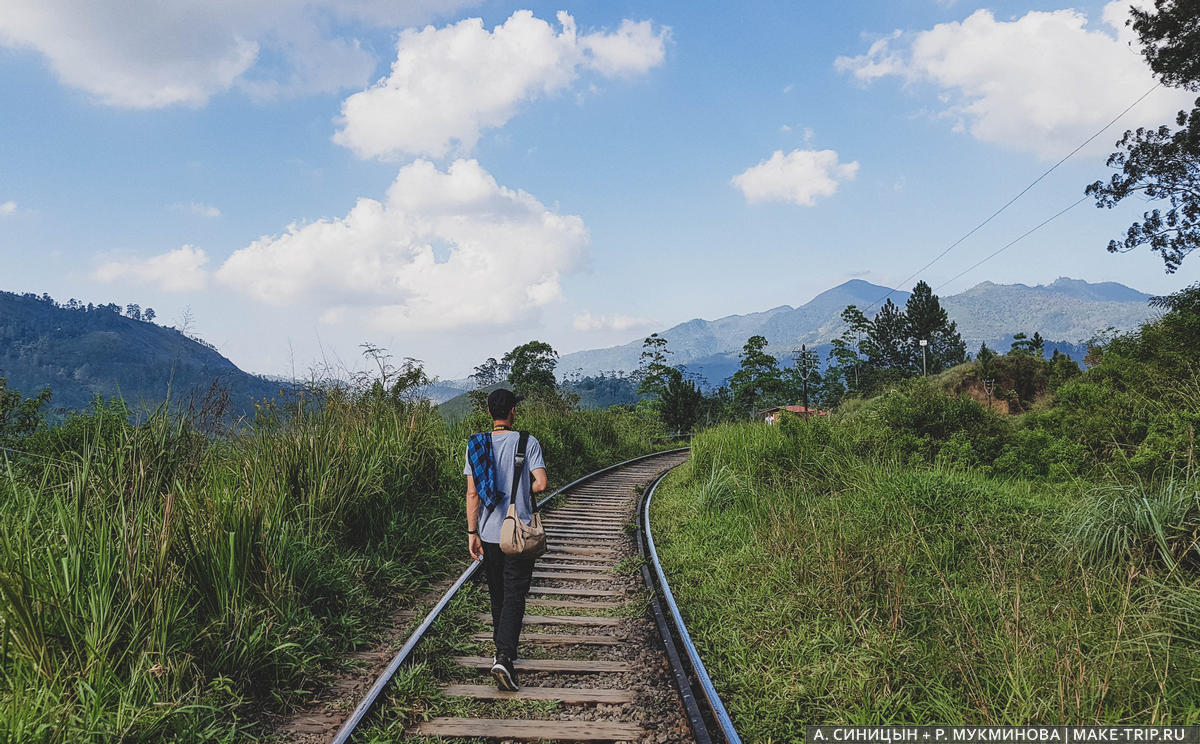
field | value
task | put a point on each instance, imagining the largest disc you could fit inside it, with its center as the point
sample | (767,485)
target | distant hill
(593,392)
(84,352)
(444,390)
(1066,311)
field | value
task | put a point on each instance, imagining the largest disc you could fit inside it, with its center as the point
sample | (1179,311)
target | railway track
(593,666)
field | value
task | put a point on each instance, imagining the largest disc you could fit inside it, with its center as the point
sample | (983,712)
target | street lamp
(924,344)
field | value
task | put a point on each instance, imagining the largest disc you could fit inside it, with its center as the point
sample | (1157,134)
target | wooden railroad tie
(560,639)
(564,695)
(493,728)
(575,592)
(568,666)
(561,620)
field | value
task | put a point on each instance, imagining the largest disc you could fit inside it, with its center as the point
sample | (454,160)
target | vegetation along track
(592,664)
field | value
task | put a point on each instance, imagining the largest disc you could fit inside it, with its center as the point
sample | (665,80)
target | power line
(1013,242)
(1010,202)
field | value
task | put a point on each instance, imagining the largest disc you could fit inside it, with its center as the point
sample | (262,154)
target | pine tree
(679,405)
(927,320)
(887,341)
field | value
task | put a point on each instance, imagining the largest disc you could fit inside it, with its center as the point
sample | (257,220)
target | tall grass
(825,583)
(1144,524)
(160,585)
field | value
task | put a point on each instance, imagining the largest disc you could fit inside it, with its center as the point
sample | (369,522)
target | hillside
(1068,311)
(593,392)
(82,353)
(1065,310)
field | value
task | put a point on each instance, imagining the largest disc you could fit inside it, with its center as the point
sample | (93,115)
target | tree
(927,320)
(830,388)
(873,352)
(653,371)
(987,361)
(793,382)
(1173,341)
(134,311)
(149,315)
(845,358)
(1062,368)
(887,339)
(531,367)
(490,372)
(757,380)
(19,416)
(1170,39)
(679,405)
(1034,347)
(1158,163)
(394,384)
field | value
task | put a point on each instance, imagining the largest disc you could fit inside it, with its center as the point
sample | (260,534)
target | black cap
(501,401)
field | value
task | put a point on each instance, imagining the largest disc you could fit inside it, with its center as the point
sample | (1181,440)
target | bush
(914,420)
(1032,453)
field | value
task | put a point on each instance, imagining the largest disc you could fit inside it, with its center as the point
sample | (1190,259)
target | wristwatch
(472,532)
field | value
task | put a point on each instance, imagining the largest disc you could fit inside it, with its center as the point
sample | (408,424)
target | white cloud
(7,208)
(181,270)
(450,84)
(150,54)
(633,49)
(1042,83)
(799,177)
(587,322)
(198,209)
(445,250)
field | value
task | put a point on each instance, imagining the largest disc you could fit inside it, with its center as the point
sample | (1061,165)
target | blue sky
(301,177)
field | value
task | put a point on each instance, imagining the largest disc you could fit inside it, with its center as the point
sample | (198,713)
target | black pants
(508,580)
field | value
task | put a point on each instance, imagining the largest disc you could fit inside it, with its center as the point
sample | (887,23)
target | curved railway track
(603,659)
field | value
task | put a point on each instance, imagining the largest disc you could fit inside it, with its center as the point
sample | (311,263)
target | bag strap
(518,467)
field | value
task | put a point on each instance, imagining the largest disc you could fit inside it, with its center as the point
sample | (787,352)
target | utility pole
(857,351)
(924,345)
(807,364)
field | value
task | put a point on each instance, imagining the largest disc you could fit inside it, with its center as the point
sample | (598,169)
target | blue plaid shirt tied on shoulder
(483,467)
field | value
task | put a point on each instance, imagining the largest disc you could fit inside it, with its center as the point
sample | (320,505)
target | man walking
(490,474)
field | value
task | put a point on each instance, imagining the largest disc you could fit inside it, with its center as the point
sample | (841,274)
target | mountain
(80,352)
(1067,310)
(444,390)
(1101,291)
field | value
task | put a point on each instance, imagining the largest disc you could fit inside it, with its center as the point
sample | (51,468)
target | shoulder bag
(518,539)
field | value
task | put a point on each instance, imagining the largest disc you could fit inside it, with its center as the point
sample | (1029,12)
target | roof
(799,410)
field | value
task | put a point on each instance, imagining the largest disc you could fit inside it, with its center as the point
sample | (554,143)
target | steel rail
(364,707)
(683,683)
(719,714)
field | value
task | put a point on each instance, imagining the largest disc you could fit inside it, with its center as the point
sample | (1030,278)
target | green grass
(157,584)
(824,586)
